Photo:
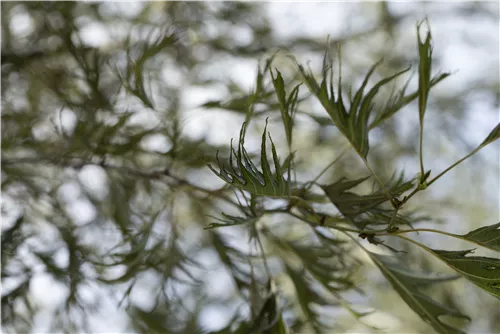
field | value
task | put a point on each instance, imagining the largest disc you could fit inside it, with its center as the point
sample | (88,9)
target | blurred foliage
(107,198)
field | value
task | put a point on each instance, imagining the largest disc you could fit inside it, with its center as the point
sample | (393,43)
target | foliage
(158,230)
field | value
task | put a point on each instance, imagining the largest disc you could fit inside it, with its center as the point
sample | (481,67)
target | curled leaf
(245,175)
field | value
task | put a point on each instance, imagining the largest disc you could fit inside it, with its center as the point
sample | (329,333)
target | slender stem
(391,222)
(427,249)
(422,172)
(421,230)
(416,190)
(78,163)
(336,227)
(454,165)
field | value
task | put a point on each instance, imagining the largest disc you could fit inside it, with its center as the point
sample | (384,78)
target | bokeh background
(99,97)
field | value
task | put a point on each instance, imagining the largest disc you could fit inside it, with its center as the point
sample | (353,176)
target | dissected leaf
(245,174)
(352,121)
(322,274)
(407,283)
(486,236)
(482,271)
(351,205)
(288,106)
(399,100)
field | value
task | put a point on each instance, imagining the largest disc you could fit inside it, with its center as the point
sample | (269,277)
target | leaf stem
(416,190)
(422,171)
(454,165)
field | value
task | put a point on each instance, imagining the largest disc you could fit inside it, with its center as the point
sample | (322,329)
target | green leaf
(487,236)
(407,283)
(322,274)
(494,135)
(482,271)
(288,106)
(424,72)
(352,122)
(399,100)
(245,175)
(351,205)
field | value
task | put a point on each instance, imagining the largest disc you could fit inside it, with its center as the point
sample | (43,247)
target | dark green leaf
(8,235)
(494,135)
(352,122)
(407,283)
(245,174)
(487,236)
(482,271)
(399,100)
(351,205)
(287,105)
(424,72)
